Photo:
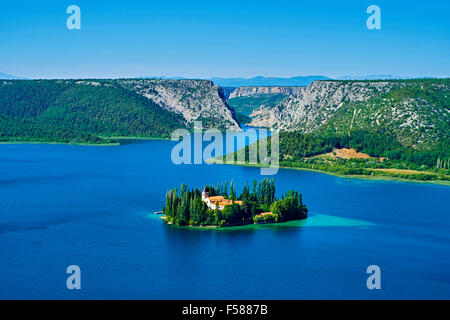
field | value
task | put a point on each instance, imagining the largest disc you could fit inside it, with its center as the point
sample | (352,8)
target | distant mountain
(163,78)
(374,77)
(299,81)
(5,76)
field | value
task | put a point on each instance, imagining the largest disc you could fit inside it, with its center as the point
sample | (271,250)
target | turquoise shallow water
(91,206)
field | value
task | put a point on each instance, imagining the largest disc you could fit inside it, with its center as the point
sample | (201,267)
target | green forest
(246,105)
(184,207)
(70,111)
(298,150)
(407,127)
(242,119)
(415,113)
(302,151)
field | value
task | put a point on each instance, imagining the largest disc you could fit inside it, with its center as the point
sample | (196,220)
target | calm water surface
(91,206)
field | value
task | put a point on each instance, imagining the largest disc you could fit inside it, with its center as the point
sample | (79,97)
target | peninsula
(220,206)
(396,129)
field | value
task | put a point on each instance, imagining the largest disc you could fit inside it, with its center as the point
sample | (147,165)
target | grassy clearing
(401,171)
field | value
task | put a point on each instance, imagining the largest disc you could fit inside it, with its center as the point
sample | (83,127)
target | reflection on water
(320,220)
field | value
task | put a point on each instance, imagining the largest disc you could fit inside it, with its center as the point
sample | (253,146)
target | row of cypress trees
(185,206)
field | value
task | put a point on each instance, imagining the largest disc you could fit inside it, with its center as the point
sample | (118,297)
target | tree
(188,208)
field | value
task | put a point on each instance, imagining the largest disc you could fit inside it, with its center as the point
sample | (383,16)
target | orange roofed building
(217,202)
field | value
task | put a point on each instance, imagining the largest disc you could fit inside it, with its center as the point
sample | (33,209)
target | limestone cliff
(415,111)
(251,91)
(193,99)
(308,110)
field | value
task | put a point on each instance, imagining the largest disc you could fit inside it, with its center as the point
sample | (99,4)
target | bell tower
(205,194)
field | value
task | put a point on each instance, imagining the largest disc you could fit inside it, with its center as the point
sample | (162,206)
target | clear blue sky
(224,38)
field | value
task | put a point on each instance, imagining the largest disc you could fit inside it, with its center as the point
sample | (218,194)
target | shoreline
(313,220)
(112,144)
(62,143)
(350,176)
(137,138)
(234,227)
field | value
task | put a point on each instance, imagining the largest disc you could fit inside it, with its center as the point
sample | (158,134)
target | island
(220,206)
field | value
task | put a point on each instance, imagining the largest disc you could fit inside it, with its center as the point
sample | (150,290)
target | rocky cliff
(87,111)
(251,91)
(193,99)
(316,103)
(416,110)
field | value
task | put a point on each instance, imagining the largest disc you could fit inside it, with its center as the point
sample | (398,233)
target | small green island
(220,206)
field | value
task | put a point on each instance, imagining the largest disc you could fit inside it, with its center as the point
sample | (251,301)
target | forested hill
(415,112)
(400,128)
(84,111)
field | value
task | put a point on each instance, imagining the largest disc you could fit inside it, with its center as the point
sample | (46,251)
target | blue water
(91,206)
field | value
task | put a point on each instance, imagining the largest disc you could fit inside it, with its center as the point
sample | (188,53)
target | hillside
(245,100)
(83,111)
(307,111)
(417,112)
(245,105)
(256,91)
(385,128)
(192,99)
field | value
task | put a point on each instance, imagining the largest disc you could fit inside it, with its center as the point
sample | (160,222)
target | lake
(92,207)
